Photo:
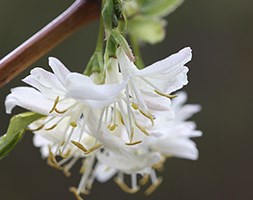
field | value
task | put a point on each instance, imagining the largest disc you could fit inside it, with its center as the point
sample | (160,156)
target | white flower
(168,138)
(148,90)
(59,92)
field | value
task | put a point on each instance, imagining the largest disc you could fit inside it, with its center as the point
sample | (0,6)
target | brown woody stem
(77,15)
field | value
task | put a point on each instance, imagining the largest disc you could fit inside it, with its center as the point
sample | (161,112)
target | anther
(55,104)
(144,180)
(94,148)
(133,143)
(135,106)
(112,127)
(73,124)
(80,146)
(74,191)
(51,127)
(36,129)
(170,96)
(153,187)
(124,186)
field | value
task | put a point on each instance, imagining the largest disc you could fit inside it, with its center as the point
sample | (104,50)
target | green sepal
(120,39)
(107,15)
(95,63)
(16,129)
(158,8)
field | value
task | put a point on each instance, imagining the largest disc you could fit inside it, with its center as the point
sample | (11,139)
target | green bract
(17,126)
(145,21)
(147,29)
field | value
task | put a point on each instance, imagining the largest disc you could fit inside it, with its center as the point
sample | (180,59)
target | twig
(77,15)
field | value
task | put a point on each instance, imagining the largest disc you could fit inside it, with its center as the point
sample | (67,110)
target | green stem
(137,53)
(95,63)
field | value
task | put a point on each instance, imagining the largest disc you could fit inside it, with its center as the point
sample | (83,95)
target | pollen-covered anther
(149,116)
(133,143)
(141,128)
(170,96)
(144,180)
(95,147)
(73,124)
(112,127)
(75,192)
(160,165)
(153,187)
(135,106)
(65,155)
(125,187)
(36,129)
(66,172)
(80,146)
(51,127)
(56,101)
(60,111)
(51,160)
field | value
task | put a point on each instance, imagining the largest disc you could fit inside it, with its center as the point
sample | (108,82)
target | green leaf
(147,29)
(16,129)
(158,8)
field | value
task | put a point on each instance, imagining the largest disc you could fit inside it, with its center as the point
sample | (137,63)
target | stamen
(51,128)
(153,187)
(160,165)
(80,146)
(36,129)
(134,182)
(170,96)
(51,160)
(73,124)
(75,192)
(125,187)
(133,143)
(112,127)
(135,106)
(95,147)
(89,162)
(155,183)
(144,179)
(142,129)
(148,115)
(60,111)
(55,104)
(66,154)
(132,135)
(67,167)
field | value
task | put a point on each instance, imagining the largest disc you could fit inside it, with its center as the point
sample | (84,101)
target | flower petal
(168,64)
(28,98)
(59,69)
(82,88)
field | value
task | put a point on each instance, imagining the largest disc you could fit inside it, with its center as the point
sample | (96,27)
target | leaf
(16,129)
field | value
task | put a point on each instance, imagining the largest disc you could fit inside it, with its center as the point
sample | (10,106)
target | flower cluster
(127,126)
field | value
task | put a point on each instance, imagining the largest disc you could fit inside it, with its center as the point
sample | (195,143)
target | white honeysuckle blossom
(59,92)
(148,91)
(169,138)
(62,94)
(126,126)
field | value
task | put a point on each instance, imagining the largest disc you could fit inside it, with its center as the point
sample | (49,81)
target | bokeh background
(221,79)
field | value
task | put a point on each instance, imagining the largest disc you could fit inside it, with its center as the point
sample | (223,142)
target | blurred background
(220,34)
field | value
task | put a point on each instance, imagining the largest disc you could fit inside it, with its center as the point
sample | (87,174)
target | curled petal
(29,99)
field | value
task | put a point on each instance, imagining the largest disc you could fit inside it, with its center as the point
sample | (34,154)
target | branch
(77,15)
